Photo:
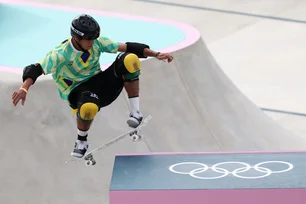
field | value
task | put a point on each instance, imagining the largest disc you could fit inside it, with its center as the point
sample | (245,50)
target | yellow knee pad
(88,111)
(131,63)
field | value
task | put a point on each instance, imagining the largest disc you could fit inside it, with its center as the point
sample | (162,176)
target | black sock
(82,138)
(82,135)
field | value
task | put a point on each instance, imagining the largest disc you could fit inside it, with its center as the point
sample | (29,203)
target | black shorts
(105,84)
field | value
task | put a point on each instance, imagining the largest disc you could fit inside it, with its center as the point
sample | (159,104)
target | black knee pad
(88,105)
(127,65)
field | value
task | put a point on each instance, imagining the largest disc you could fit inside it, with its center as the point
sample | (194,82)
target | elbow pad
(136,48)
(32,71)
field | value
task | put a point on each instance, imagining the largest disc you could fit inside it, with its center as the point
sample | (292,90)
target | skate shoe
(80,149)
(135,119)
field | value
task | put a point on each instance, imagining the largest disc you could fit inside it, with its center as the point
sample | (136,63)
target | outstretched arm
(31,73)
(143,51)
(147,52)
(29,76)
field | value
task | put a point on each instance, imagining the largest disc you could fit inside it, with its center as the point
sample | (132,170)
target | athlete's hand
(19,95)
(165,56)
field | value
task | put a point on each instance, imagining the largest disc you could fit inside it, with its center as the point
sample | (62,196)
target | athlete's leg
(83,125)
(132,89)
(128,66)
(86,105)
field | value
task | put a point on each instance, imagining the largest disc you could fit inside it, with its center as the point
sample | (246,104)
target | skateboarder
(75,68)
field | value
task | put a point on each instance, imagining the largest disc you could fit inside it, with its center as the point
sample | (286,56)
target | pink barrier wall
(245,196)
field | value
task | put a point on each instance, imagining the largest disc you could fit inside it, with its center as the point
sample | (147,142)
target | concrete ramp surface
(195,107)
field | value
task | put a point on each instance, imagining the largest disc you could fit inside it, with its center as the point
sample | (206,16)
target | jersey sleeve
(50,62)
(107,45)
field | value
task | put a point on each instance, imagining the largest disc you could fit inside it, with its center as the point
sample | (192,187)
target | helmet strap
(82,49)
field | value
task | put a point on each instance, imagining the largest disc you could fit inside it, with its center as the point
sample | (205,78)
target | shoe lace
(82,145)
(136,114)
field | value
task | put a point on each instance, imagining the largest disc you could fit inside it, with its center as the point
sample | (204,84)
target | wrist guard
(136,48)
(32,71)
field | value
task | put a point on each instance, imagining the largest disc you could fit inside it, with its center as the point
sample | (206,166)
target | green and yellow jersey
(70,67)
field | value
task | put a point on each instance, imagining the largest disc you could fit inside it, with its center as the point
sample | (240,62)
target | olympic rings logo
(217,168)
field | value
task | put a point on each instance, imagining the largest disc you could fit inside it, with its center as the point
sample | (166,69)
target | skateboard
(134,133)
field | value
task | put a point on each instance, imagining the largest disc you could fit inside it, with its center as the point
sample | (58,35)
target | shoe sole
(77,155)
(132,122)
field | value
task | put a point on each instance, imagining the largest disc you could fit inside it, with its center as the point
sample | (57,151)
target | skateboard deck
(134,133)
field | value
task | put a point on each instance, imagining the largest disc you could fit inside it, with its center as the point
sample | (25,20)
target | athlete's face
(86,44)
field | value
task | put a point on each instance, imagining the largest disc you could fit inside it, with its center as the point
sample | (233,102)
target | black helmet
(85,26)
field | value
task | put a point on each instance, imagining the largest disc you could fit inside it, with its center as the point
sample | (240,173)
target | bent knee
(131,63)
(88,106)
(88,111)
(128,66)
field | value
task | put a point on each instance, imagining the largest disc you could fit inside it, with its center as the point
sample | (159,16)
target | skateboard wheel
(93,162)
(139,138)
(135,138)
(90,162)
